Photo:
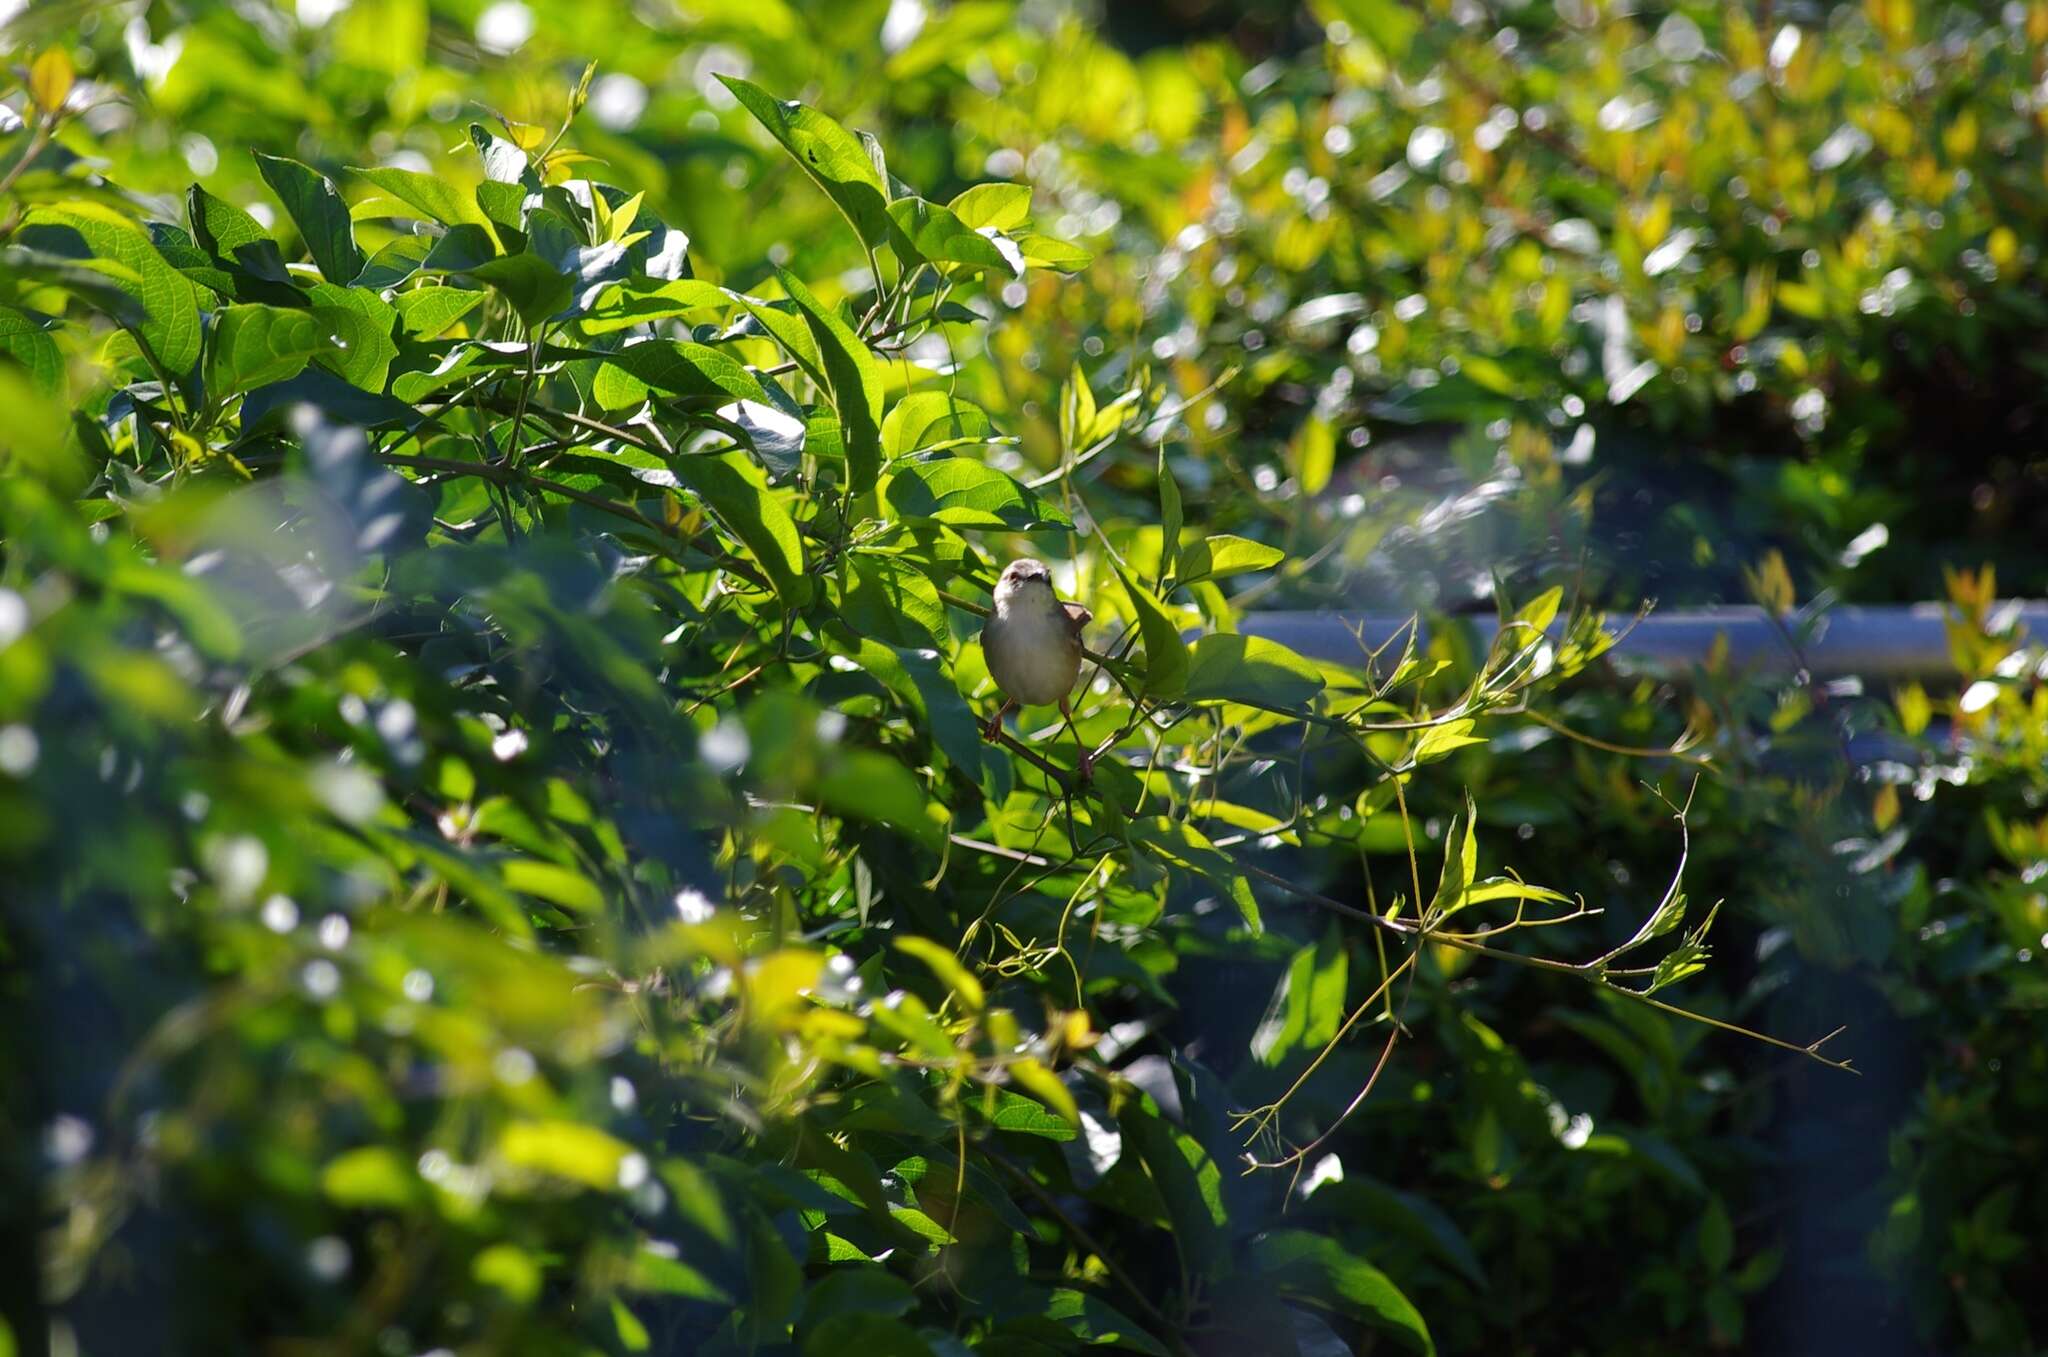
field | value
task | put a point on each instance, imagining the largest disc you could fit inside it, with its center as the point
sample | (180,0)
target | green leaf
(1355,1200)
(509,1270)
(433,197)
(537,289)
(947,968)
(935,234)
(965,493)
(925,419)
(1166,655)
(829,154)
(1003,207)
(671,368)
(170,304)
(101,283)
(1096,1322)
(553,882)
(427,312)
(1687,959)
(952,723)
(256,345)
(1227,667)
(1461,862)
(228,233)
(1717,1237)
(1035,1078)
(893,602)
(373,1176)
(1046,253)
(868,1335)
(733,486)
(864,785)
(1190,1183)
(633,1335)
(316,208)
(1077,412)
(1027,1116)
(792,331)
(855,1291)
(1220,555)
(624,307)
(1169,518)
(360,323)
(1320,1269)
(1180,844)
(566,1149)
(1313,455)
(1388,24)
(851,376)
(1506,888)
(1533,617)
(1445,738)
(1308,1004)
(24,341)
(1670,911)
(396,261)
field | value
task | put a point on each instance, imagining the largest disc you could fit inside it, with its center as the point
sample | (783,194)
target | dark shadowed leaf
(1320,1269)
(314,206)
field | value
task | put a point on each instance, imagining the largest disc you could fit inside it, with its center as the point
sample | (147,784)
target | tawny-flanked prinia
(1032,642)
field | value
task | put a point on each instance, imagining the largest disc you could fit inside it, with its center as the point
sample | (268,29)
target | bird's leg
(1087,763)
(994,730)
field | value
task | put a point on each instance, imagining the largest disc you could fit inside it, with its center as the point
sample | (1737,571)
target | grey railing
(1888,643)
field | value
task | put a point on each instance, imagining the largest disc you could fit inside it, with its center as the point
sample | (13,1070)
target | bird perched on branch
(1032,641)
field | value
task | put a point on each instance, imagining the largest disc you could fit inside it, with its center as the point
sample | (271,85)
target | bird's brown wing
(1077,618)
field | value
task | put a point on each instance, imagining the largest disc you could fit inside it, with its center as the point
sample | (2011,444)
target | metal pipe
(1893,642)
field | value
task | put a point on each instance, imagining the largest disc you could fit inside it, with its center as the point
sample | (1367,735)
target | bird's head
(1021,578)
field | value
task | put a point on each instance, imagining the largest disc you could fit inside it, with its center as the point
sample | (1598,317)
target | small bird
(1032,642)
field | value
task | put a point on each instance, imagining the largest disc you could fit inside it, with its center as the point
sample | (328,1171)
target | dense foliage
(501,848)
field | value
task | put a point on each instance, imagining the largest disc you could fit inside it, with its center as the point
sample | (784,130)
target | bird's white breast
(1030,647)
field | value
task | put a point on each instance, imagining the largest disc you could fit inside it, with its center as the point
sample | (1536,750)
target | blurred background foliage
(1450,301)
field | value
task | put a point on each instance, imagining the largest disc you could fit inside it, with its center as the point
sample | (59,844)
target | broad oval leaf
(965,493)
(892,602)
(256,345)
(1166,655)
(734,488)
(925,419)
(1180,844)
(316,208)
(433,197)
(936,235)
(1318,1268)
(851,375)
(536,289)
(829,154)
(22,340)
(87,231)
(672,368)
(1001,207)
(1222,554)
(1227,667)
